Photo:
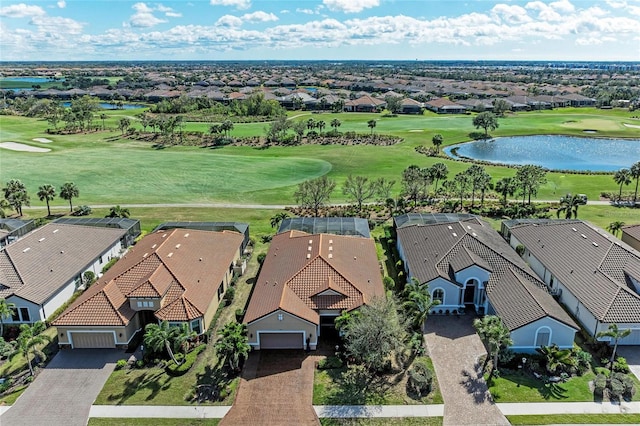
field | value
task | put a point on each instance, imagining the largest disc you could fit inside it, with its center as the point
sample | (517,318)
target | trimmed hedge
(178,370)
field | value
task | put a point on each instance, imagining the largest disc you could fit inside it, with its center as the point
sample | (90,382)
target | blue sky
(320,29)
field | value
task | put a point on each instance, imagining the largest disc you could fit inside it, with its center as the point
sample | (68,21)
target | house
(469,267)
(445,106)
(13,229)
(178,275)
(305,282)
(42,270)
(410,106)
(631,236)
(477,105)
(577,100)
(595,276)
(365,103)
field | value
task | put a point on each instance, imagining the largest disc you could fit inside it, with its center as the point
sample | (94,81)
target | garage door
(92,340)
(632,339)
(281,341)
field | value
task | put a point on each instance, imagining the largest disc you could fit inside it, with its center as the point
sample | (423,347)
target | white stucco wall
(472,272)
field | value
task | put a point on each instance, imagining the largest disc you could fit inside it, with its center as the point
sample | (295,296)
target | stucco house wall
(524,338)
(271,323)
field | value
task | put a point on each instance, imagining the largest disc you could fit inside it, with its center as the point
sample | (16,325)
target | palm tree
(159,336)
(371,124)
(438,171)
(622,177)
(335,123)
(616,334)
(277,219)
(342,321)
(30,336)
(68,191)
(103,117)
(233,344)
(635,173)
(615,227)
(117,211)
(6,311)
(418,302)
(215,129)
(496,336)
(557,359)
(437,140)
(227,126)
(47,193)
(182,336)
(569,206)
(311,124)
(506,187)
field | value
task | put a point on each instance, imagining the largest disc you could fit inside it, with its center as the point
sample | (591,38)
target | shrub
(109,264)
(229,295)
(139,363)
(616,389)
(239,314)
(261,257)
(330,363)
(187,362)
(389,284)
(420,378)
(627,382)
(620,365)
(122,363)
(583,359)
(82,211)
(5,385)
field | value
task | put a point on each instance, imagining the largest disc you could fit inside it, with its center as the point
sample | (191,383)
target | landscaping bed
(381,421)
(151,422)
(575,419)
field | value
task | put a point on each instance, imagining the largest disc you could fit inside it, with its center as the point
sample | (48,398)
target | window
(14,314)
(195,326)
(543,336)
(139,304)
(438,295)
(220,291)
(24,313)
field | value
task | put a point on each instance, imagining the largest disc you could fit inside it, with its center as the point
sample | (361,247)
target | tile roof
(590,263)
(300,268)
(518,297)
(632,231)
(46,259)
(182,266)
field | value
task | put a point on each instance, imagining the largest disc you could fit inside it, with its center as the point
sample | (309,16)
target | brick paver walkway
(455,348)
(276,389)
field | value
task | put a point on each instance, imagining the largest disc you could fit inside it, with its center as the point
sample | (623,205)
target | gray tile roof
(49,257)
(517,295)
(590,263)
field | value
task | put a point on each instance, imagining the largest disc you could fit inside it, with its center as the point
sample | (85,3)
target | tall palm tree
(438,171)
(371,124)
(227,126)
(30,336)
(635,173)
(506,186)
(622,177)
(117,211)
(233,344)
(615,334)
(68,191)
(103,117)
(569,206)
(6,311)
(335,123)
(159,336)
(182,336)
(437,140)
(615,227)
(496,336)
(321,125)
(47,193)
(418,303)
(311,124)
(277,219)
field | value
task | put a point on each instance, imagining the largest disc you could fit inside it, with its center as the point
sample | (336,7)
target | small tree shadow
(475,385)
(136,384)
(552,391)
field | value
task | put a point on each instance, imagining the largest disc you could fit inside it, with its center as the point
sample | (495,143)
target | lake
(105,105)
(553,152)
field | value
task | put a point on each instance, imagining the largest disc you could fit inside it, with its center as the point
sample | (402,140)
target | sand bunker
(414,131)
(15,146)
(633,126)
(42,140)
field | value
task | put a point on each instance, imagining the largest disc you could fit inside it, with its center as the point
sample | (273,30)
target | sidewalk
(366,411)
(159,411)
(542,408)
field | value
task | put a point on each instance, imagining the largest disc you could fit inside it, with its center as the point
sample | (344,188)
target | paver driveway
(276,389)
(455,348)
(632,354)
(63,392)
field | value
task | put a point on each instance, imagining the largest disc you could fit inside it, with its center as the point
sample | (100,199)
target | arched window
(543,336)
(438,295)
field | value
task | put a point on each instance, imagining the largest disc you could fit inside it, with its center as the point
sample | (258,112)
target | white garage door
(92,340)
(632,339)
(281,341)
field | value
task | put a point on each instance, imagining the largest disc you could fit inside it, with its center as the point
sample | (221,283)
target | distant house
(631,236)
(576,100)
(13,229)
(411,106)
(470,268)
(365,103)
(306,281)
(477,105)
(42,270)
(445,106)
(177,275)
(595,276)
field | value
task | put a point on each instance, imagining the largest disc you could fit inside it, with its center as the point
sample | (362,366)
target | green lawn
(516,387)
(11,398)
(109,169)
(94,421)
(602,419)
(393,421)
(19,363)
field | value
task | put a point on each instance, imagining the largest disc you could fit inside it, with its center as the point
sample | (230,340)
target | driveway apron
(62,394)
(632,354)
(276,389)
(455,348)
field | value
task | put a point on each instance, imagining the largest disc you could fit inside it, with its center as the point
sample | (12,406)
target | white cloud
(563,6)
(350,6)
(229,21)
(259,16)
(144,17)
(56,25)
(21,11)
(511,14)
(62,4)
(545,12)
(305,11)
(238,4)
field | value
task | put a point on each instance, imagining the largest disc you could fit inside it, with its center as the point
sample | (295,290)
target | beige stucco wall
(213,306)
(127,332)
(271,323)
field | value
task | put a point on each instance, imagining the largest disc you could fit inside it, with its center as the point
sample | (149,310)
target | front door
(469,294)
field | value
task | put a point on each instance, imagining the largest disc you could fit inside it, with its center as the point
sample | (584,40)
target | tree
(394,104)
(530,178)
(486,120)
(182,335)
(614,333)
(314,193)
(475,174)
(438,172)
(124,124)
(321,125)
(68,192)
(103,117)
(342,321)
(635,174)
(622,177)
(335,123)
(15,192)
(371,124)
(496,336)
(233,344)
(417,302)
(615,227)
(437,140)
(415,182)
(461,184)
(47,193)
(6,311)
(277,219)
(30,336)
(161,336)
(311,124)
(383,188)
(117,211)
(557,359)
(500,106)
(277,130)
(359,189)
(506,186)
(375,334)
(569,206)
(298,128)
(227,127)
